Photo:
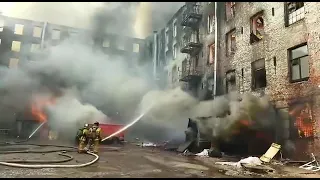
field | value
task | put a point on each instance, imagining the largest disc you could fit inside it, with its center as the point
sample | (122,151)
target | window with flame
(301,114)
(294,12)
(231,80)
(299,63)
(256,27)
(231,42)
(230,10)
(259,79)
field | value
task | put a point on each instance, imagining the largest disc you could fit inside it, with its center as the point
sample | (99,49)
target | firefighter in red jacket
(95,136)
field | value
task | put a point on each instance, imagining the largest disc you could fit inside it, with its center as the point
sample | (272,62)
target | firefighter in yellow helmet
(83,136)
(95,136)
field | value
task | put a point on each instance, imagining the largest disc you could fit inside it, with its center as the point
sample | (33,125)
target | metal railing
(191,70)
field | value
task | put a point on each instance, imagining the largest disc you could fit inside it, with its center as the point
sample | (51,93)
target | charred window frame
(299,63)
(230,80)
(231,42)
(258,71)
(293,12)
(230,10)
(256,27)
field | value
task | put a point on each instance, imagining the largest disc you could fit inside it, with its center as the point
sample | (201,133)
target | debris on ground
(271,152)
(250,160)
(204,153)
(312,165)
(185,146)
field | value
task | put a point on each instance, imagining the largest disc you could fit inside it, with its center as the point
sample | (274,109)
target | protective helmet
(86,125)
(96,123)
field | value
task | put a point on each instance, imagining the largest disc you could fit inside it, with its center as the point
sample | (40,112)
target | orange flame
(37,108)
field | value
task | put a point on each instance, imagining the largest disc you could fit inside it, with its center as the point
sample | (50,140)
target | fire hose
(17,163)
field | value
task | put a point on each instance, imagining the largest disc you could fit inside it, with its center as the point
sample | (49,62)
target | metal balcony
(192,16)
(192,74)
(191,47)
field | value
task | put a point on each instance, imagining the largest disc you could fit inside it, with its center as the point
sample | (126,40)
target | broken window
(299,61)
(175,28)
(37,31)
(230,10)
(256,27)
(35,47)
(259,79)
(136,48)
(106,43)
(294,12)
(210,22)
(18,29)
(13,62)
(16,45)
(174,51)
(231,81)
(211,54)
(55,34)
(231,42)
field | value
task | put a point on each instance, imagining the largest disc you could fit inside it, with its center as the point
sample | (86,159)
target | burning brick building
(21,40)
(264,48)
(271,48)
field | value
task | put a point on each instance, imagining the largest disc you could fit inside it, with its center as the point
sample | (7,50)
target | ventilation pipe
(154,53)
(215,50)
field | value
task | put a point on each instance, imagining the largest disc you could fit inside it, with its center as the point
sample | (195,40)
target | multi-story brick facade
(20,39)
(265,48)
(271,48)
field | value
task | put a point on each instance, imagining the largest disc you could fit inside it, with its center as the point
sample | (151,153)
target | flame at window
(302,115)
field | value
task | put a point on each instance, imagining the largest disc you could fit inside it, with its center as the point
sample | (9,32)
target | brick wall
(275,44)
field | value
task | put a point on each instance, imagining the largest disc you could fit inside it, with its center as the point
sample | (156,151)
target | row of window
(55,35)
(135,48)
(294,12)
(298,69)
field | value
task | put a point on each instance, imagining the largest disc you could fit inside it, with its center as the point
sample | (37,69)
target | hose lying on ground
(52,165)
(45,165)
(43,161)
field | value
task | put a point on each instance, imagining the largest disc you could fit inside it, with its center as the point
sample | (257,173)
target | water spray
(129,125)
(37,129)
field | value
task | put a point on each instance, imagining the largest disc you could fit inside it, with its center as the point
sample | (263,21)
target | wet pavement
(133,161)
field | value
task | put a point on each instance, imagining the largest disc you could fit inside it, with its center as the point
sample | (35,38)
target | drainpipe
(155,55)
(43,34)
(215,50)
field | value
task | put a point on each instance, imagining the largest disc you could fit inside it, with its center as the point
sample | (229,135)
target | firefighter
(95,136)
(83,136)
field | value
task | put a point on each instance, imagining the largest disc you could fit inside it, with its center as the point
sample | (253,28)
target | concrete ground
(133,161)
